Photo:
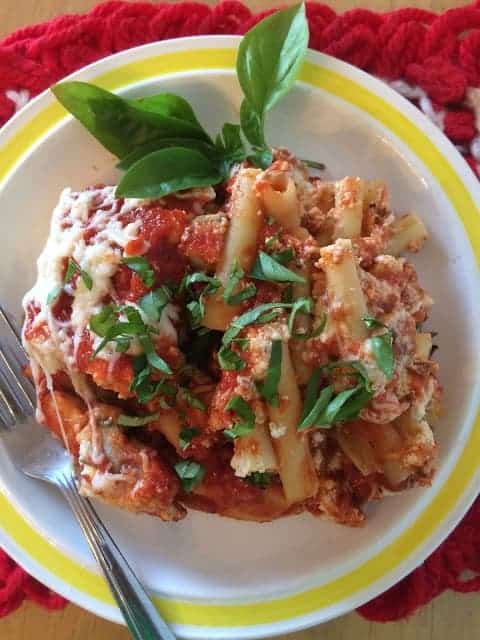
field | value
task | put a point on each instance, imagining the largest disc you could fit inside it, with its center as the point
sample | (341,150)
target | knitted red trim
(433,60)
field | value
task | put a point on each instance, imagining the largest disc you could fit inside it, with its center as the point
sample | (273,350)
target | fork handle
(139,612)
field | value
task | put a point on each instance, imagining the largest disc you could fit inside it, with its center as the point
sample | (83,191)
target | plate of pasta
(259,347)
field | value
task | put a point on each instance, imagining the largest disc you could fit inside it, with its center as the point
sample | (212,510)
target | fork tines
(17,395)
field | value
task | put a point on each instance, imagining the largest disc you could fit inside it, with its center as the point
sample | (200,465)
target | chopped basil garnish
(269,388)
(234,279)
(243,409)
(144,387)
(199,277)
(196,307)
(72,268)
(284,257)
(304,305)
(323,409)
(229,360)
(382,346)
(260,479)
(108,326)
(142,267)
(267,268)
(191,473)
(189,398)
(186,436)
(136,421)
(153,303)
(257,315)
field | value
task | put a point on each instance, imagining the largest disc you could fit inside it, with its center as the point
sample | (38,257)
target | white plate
(217,578)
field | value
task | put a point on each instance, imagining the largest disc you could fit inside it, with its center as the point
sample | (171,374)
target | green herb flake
(154,302)
(229,360)
(269,388)
(142,267)
(190,472)
(257,315)
(186,436)
(266,268)
(260,479)
(242,409)
(382,346)
(301,305)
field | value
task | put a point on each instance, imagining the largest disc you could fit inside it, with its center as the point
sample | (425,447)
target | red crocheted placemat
(434,60)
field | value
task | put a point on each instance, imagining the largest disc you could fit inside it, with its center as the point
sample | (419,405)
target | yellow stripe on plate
(335,591)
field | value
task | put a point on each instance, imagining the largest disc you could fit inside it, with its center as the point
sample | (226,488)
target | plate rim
(412,116)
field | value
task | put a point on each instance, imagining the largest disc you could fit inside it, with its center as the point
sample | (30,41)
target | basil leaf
(230,146)
(239,430)
(171,106)
(266,268)
(372,323)
(168,171)
(153,303)
(260,479)
(356,402)
(240,406)
(311,393)
(255,315)
(252,125)
(304,305)
(310,417)
(229,360)
(285,256)
(236,275)
(269,389)
(193,278)
(136,421)
(382,347)
(71,269)
(196,310)
(123,125)
(53,295)
(141,265)
(101,323)
(153,358)
(270,56)
(87,279)
(122,344)
(243,409)
(140,152)
(191,473)
(186,436)
(187,396)
(262,158)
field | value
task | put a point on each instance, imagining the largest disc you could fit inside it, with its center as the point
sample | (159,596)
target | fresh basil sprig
(268,63)
(159,140)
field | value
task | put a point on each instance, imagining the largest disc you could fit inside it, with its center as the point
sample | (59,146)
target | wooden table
(449,616)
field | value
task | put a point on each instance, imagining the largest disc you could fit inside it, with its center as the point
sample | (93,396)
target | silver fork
(35,453)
